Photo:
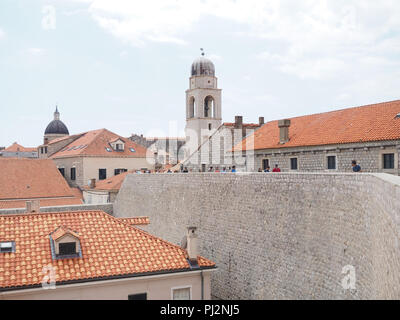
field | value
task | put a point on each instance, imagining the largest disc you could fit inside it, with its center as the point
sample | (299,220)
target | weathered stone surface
(280,236)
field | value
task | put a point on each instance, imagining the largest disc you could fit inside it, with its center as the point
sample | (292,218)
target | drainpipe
(202,285)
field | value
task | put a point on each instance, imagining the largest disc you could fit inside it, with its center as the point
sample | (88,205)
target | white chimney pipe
(192,244)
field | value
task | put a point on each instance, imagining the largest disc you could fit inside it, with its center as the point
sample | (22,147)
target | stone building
(329,141)
(207,138)
(98,154)
(93,255)
(167,150)
(18,151)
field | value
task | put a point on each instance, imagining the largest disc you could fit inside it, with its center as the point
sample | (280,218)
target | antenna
(202,51)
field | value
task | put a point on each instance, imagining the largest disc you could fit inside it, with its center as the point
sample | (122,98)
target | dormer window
(65,244)
(7,246)
(118,144)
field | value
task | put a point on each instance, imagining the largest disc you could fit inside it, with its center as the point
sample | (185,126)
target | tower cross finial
(202,51)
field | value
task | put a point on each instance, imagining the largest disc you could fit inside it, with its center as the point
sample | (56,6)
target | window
(118,171)
(331,162)
(62,171)
(67,248)
(73,173)
(137,296)
(388,161)
(209,126)
(41,150)
(45,149)
(108,149)
(181,294)
(293,163)
(102,174)
(265,163)
(8,246)
(132,149)
(119,147)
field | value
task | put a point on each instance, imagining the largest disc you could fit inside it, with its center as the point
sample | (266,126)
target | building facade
(92,255)
(329,141)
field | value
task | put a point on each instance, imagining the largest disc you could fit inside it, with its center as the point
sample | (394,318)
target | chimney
(192,248)
(261,121)
(283,130)
(238,121)
(92,183)
(32,206)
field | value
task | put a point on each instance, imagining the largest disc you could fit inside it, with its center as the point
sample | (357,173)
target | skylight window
(132,149)
(7,246)
(108,149)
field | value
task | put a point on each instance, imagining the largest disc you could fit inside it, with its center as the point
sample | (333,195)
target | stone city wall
(279,236)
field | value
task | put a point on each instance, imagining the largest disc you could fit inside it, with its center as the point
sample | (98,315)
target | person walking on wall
(356,167)
(233,168)
(267,169)
(276,169)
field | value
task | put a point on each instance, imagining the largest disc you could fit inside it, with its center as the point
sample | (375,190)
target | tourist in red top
(276,169)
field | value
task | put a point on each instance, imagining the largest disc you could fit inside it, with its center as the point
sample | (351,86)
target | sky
(124,65)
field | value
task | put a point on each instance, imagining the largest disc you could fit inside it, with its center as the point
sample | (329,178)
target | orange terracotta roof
(96,142)
(375,122)
(110,248)
(15,147)
(16,204)
(62,231)
(77,193)
(113,183)
(136,220)
(31,178)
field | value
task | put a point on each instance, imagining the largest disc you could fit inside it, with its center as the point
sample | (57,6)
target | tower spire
(56,114)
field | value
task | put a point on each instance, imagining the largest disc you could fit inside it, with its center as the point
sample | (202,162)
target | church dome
(203,67)
(56,126)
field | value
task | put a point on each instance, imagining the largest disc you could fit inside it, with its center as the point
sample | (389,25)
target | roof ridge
(49,213)
(339,110)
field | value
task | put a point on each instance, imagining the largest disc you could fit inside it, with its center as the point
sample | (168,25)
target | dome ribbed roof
(56,127)
(203,67)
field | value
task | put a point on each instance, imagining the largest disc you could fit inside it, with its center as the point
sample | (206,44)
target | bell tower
(203,102)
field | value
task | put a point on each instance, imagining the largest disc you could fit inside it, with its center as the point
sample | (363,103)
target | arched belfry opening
(192,107)
(209,107)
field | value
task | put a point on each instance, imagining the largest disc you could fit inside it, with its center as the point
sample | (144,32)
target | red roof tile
(109,248)
(375,122)
(95,143)
(14,204)
(113,183)
(135,220)
(31,178)
(15,147)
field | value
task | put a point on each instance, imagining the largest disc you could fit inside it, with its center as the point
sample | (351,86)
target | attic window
(108,149)
(119,147)
(132,149)
(7,246)
(67,248)
(65,244)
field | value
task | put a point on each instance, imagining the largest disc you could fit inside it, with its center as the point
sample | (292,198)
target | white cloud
(2,33)
(36,51)
(309,39)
